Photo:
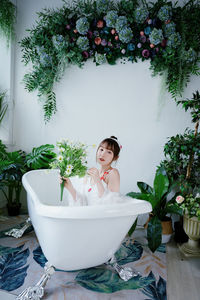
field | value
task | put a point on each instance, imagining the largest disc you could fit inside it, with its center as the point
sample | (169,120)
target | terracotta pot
(167,230)
(167,226)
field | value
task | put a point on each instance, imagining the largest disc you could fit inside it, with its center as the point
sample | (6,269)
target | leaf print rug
(22,262)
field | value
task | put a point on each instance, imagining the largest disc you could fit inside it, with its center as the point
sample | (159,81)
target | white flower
(62,149)
(83,160)
(69,167)
(179,199)
(68,172)
(60,158)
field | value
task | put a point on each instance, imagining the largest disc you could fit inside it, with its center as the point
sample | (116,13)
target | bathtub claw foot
(125,273)
(37,292)
(17,233)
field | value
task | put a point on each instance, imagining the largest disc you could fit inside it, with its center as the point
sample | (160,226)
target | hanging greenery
(7,19)
(3,106)
(166,35)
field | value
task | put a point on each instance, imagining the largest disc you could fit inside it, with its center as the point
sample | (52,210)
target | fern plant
(40,157)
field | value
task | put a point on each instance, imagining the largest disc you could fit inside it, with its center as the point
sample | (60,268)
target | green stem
(17,193)
(10,194)
(62,189)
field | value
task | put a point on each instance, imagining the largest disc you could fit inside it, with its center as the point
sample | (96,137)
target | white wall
(95,102)
(5,84)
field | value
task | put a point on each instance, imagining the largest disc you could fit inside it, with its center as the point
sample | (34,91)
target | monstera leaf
(105,281)
(161,248)
(39,257)
(12,267)
(155,291)
(128,253)
(40,157)
(6,250)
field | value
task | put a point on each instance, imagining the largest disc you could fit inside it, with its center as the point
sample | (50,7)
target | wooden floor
(183,275)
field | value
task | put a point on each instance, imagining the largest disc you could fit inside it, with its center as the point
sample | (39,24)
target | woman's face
(104,155)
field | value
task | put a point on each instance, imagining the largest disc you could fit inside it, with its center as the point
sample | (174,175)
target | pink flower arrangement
(97,40)
(179,199)
(100,24)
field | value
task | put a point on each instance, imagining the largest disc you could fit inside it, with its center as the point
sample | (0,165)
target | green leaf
(173,208)
(128,252)
(40,157)
(132,229)
(105,281)
(140,196)
(154,233)
(161,184)
(144,187)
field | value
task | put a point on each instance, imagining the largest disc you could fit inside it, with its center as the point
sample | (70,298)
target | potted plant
(12,167)
(191,223)
(161,196)
(182,154)
(182,151)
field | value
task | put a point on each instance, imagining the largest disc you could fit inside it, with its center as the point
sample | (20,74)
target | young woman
(103,185)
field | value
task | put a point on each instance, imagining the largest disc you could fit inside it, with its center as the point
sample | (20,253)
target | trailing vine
(168,35)
(7,19)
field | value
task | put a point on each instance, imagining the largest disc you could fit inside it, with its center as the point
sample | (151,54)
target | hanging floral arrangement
(166,35)
(7,19)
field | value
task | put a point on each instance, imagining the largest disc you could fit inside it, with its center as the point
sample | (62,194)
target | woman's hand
(67,183)
(69,186)
(94,173)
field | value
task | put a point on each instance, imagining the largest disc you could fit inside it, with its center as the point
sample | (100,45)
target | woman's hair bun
(113,137)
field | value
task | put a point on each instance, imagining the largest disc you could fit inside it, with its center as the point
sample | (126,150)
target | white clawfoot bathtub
(76,237)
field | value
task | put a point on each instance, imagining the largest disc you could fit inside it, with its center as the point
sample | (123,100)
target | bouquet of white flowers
(71,160)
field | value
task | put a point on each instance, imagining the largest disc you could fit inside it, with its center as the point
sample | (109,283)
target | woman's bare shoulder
(114,172)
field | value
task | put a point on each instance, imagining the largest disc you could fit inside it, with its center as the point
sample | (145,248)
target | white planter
(166,238)
(192,229)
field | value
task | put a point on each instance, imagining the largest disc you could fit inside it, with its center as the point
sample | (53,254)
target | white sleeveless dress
(87,194)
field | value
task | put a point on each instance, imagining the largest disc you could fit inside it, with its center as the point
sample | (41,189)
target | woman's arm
(69,186)
(114,181)
(94,173)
